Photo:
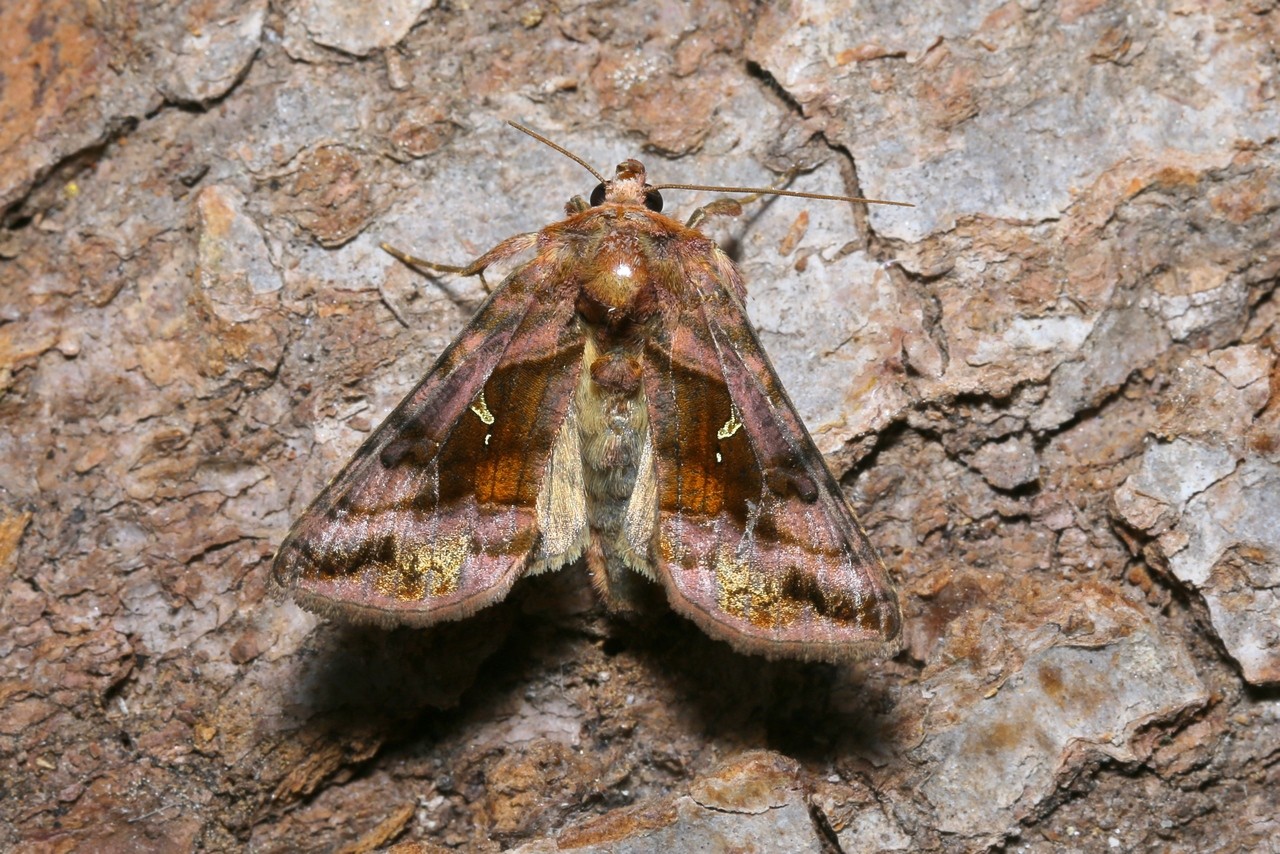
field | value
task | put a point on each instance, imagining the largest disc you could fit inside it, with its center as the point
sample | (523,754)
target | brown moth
(609,399)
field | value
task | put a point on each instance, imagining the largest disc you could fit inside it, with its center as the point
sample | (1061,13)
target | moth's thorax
(617,280)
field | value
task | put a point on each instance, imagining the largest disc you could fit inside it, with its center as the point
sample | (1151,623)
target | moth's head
(628,187)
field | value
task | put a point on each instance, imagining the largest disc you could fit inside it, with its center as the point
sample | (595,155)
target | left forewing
(755,541)
(437,514)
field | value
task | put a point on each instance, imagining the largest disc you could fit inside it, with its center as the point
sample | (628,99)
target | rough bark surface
(1051,388)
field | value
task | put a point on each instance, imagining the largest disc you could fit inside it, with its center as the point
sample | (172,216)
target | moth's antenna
(763,191)
(569,154)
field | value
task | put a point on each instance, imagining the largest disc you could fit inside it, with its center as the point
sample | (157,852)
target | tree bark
(1050,389)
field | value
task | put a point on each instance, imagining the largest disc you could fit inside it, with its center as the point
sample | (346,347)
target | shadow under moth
(609,400)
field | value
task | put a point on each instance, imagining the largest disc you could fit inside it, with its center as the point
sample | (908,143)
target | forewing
(755,541)
(435,515)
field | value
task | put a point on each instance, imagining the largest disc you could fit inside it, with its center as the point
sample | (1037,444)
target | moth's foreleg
(733,207)
(507,248)
(720,207)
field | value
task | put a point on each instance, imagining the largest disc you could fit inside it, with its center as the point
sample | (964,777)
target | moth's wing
(754,540)
(438,512)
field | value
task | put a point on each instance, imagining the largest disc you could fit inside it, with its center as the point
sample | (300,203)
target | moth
(609,400)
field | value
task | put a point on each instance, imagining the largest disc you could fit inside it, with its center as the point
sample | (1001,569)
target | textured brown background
(1051,388)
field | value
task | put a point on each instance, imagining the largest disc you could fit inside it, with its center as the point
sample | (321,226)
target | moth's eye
(653,201)
(597,196)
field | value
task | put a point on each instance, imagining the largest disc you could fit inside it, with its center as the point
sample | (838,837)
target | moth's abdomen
(613,429)
(612,422)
